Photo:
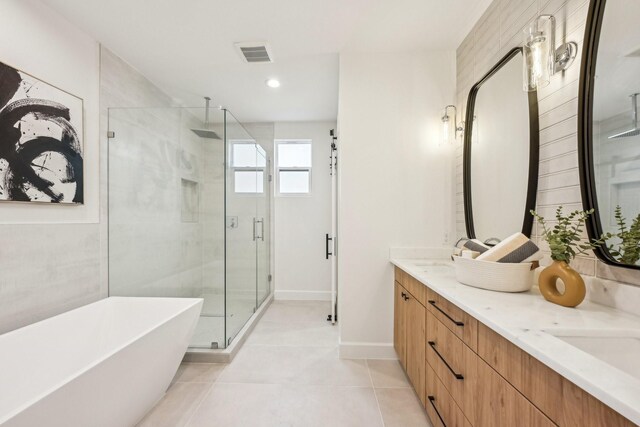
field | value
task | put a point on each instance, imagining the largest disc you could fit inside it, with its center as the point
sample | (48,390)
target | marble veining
(529,321)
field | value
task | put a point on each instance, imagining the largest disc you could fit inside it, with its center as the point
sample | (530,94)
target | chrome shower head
(206,132)
(635,130)
(626,134)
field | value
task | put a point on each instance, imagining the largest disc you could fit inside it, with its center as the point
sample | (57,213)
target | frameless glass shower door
(184,219)
(263,241)
(247,225)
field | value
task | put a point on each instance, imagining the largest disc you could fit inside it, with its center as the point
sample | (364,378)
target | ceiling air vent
(254,52)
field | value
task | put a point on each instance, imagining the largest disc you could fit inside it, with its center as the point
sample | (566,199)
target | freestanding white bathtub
(104,364)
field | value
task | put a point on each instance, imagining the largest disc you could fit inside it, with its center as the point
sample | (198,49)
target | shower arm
(634,110)
(207,100)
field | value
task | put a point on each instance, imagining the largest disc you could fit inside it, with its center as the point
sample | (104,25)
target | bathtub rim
(86,368)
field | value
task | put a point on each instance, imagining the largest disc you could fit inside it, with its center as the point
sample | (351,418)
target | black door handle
(455,322)
(458,376)
(327,239)
(432,400)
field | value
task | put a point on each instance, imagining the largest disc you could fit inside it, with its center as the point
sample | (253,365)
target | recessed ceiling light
(273,83)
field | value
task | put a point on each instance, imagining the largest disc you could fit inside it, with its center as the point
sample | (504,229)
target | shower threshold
(226,355)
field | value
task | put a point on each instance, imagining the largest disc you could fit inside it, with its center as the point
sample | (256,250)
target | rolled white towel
(475,245)
(513,249)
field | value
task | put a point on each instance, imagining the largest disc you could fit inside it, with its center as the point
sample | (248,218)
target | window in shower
(293,164)
(248,168)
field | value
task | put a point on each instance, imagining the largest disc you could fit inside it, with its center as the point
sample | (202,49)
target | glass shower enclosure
(189,214)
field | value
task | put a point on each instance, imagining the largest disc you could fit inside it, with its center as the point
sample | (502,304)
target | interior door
(334,228)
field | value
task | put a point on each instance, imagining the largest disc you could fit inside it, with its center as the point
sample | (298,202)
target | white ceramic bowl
(494,276)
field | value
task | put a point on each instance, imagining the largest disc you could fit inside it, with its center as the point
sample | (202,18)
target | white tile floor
(288,374)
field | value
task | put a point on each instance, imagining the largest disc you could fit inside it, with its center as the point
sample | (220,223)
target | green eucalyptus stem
(564,238)
(628,250)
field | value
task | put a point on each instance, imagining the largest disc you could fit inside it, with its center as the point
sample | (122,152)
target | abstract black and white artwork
(41,141)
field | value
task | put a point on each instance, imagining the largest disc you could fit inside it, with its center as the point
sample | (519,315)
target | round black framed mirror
(609,131)
(500,153)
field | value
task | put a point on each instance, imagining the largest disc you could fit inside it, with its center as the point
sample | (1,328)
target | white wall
(40,42)
(50,255)
(395,182)
(301,222)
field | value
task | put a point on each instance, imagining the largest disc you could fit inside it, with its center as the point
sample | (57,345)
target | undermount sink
(618,348)
(435,267)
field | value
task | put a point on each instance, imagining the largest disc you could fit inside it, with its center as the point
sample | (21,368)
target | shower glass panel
(263,209)
(244,189)
(177,225)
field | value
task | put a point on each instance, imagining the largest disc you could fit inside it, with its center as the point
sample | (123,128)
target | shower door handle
(261,236)
(262,229)
(254,229)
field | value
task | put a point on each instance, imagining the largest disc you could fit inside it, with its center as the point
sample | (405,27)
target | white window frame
(234,169)
(277,167)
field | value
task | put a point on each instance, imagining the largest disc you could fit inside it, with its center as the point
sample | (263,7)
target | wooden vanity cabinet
(468,375)
(399,324)
(409,336)
(562,401)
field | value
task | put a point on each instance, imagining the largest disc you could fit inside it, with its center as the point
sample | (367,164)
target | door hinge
(270,177)
(269,278)
(111,134)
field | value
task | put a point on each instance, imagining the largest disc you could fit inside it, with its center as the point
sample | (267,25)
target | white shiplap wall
(496,32)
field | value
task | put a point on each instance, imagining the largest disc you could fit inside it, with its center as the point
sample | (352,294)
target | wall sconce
(449,128)
(460,128)
(541,58)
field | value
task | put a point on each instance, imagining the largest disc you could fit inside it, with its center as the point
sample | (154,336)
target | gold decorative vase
(574,289)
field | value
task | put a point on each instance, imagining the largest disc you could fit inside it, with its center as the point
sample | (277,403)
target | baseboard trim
(366,350)
(284,295)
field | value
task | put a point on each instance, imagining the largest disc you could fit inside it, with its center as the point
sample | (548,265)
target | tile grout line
(375,394)
(204,396)
(216,381)
(304,385)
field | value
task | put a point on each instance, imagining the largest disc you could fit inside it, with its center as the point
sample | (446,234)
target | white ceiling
(186,47)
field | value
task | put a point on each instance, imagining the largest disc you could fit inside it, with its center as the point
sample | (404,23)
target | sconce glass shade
(448,125)
(445,129)
(538,52)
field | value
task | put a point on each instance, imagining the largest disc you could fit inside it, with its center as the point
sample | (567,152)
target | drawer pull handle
(456,322)
(432,400)
(458,376)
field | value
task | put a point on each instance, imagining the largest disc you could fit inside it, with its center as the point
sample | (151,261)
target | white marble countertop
(523,318)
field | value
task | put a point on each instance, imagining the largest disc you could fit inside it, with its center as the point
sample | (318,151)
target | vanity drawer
(453,362)
(558,398)
(415,288)
(441,407)
(459,322)
(537,382)
(499,404)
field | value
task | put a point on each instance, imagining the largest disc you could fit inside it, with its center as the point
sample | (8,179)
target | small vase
(574,289)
